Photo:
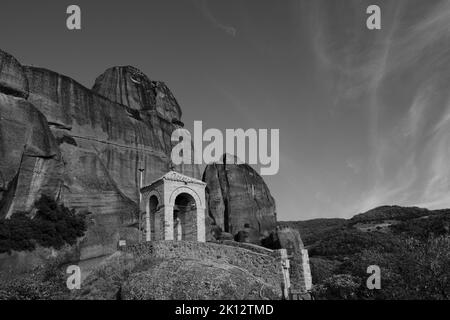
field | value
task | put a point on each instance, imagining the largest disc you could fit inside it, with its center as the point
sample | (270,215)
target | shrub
(337,287)
(352,241)
(433,226)
(45,282)
(322,269)
(54,225)
(415,270)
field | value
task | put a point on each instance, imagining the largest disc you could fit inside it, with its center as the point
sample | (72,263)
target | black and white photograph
(238,151)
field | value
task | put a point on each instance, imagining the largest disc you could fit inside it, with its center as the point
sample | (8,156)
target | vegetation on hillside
(413,253)
(391,212)
(413,270)
(53,225)
(313,230)
(431,226)
(46,282)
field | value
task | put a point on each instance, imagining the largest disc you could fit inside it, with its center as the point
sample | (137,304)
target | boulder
(195,280)
(238,196)
(213,232)
(145,277)
(223,236)
(248,235)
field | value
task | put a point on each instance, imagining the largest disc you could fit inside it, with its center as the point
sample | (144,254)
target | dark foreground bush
(54,225)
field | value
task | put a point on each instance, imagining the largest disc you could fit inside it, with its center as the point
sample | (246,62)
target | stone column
(285,266)
(148,235)
(201,232)
(168,222)
(306,269)
(179,230)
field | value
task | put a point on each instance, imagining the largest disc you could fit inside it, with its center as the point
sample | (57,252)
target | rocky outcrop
(170,270)
(130,87)
(30,160)
(195,280)
(84,147)
(238,199)
(12,78)
(248,235)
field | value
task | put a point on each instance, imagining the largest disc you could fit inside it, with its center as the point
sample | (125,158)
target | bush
(337,287)
(433,226)
(54,225)
(415,270)
(43,283)
(322,269)
(352,241)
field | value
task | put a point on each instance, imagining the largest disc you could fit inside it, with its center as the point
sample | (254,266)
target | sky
(364,115)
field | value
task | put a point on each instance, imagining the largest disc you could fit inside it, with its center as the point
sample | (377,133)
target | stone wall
(261,262)
(266,266)
(249,246)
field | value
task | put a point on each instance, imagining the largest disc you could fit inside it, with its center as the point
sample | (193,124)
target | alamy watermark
(74,280)
(73,21)
(374,280)
(189,150)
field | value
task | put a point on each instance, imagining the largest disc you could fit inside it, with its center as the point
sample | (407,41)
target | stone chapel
(174,207)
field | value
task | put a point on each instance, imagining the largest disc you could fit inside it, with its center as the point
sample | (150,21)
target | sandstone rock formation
(12,78)
(238,196)
(130,87)
(30,160)
(84,147)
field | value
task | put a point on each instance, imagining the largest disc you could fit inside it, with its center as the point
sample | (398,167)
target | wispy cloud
(408,131)
(208,15)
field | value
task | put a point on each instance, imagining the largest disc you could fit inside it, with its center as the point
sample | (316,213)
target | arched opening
(185,218)
(153,203)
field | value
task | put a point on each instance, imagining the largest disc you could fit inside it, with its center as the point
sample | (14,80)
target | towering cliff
(130,87)
(30,160)
(239,200)
(84,147)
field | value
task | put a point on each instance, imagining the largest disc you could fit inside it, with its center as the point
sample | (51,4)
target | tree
(54,225)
